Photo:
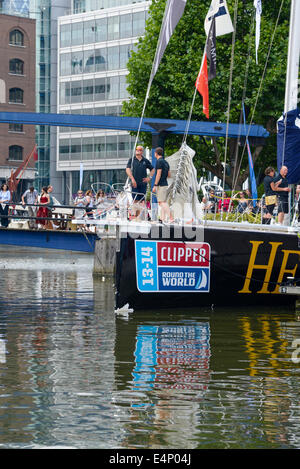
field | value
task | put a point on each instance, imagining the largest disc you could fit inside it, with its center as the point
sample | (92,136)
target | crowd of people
(140,172)
(239,203)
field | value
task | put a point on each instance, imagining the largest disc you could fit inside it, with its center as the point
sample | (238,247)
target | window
(101,30)
(65,35)
(88,90)
(65,64)
(15,152)
(75,149)
(16,38)
(65,93)
(123,87)
(16,66)
(125,26)
(77,61)
(64,150)
(88,148)
(99,147)
(76,91)
(113,58)
(15,128)
(100,87)
(112,146)
(112,88)
(89,61)
(16,95)
(100,59)
(77,34)
(89,32)
(138,23)
(113,28)
(124,146)
(125,55)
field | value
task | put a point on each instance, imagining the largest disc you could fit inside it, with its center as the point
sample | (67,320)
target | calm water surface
(75,374)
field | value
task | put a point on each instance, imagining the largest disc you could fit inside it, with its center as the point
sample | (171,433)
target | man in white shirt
(31,197)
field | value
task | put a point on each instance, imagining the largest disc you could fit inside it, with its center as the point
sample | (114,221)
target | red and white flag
(204,74)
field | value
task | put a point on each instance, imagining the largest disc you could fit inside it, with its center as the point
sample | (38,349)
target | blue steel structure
(153,125)
(159,129)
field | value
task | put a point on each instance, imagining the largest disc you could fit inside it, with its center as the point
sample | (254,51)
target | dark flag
(211,50)
(173,12)
(204,75)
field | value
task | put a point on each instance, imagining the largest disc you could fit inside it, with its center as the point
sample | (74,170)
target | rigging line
(284,139)
(149,82)
(236,173)
(229,88)
(189,117)
(262,78)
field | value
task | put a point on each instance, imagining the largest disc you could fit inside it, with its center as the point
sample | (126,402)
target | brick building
(17,93)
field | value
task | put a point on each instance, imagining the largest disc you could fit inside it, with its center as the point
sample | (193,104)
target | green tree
(261,85)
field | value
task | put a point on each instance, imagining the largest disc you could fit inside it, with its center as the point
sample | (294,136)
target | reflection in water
(75,374)
(172,357)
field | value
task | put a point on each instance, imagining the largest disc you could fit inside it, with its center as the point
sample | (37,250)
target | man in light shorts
(30,196)
(162,172)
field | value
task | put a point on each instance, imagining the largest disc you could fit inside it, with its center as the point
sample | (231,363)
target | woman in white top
(89,204)
(80,201)
(4,200)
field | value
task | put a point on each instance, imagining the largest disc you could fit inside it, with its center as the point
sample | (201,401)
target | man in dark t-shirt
(136,170)
(161,184)
(281,186)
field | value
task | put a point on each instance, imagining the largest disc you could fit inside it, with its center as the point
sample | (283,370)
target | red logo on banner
(183,254)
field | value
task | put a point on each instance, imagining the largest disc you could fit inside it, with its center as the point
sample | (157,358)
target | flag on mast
(173,12)
(251,167)
(218,10)
(257,4)
(204,74)
(80,175)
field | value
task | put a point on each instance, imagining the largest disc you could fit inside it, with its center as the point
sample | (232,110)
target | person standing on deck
(270,195)
(161,184)
(281,185)
(43,211)
(30,197)
(136,170)
(53,200)
(5,198)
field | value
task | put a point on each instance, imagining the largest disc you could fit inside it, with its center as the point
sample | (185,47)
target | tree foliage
(261,85)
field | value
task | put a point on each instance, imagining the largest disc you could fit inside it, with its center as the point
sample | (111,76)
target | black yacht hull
(205,266)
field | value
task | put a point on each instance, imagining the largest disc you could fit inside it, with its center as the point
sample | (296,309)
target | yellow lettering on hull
(268,267)
(283,269)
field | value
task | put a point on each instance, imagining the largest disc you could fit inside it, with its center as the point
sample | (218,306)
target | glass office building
(94,45)
(45,12)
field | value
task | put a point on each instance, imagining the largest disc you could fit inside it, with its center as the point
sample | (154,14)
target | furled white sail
(183,185)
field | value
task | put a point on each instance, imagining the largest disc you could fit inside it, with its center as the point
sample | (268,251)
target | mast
(291,88)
